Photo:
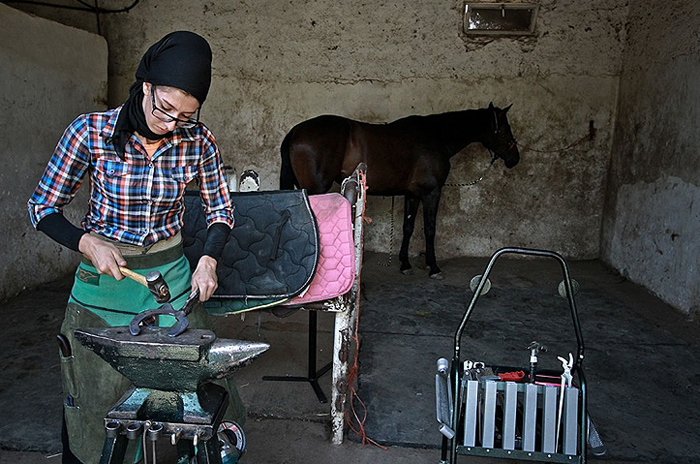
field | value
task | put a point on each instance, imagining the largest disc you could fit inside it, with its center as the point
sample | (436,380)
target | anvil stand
(132,417)
(313,374)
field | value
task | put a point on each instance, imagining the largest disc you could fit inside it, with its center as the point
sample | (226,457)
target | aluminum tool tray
(509,403)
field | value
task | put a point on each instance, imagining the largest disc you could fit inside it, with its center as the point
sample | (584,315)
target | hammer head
(158,286)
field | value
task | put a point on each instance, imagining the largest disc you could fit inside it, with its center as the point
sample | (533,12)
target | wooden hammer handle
(134,276)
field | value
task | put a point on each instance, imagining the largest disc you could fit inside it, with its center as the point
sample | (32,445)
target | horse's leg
(431,201)
(409,219)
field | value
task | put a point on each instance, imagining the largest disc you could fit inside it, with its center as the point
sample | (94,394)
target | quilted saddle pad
(335,272)
(273,248)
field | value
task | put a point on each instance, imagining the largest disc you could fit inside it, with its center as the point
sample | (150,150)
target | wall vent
(499,18)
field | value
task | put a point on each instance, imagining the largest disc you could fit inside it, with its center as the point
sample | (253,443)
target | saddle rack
(270,260)
(345,308)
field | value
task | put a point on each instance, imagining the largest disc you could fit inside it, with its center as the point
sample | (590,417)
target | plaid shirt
(137,200)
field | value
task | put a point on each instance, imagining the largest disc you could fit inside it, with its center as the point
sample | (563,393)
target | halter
(494,156)
(513,144)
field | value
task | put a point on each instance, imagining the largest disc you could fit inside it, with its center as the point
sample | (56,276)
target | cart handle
(530,252)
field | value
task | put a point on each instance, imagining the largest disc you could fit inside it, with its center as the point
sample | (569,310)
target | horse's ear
(504,111)
(491,106)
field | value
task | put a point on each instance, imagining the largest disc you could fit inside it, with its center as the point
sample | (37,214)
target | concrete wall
(49,73)
(652,213)
(278,63)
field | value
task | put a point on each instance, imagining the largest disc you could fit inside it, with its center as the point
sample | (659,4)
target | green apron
(92,387)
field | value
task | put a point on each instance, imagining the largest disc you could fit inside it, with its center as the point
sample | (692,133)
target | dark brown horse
(410,157)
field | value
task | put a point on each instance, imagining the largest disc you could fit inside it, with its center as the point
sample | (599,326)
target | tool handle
(134,276)
(64,345)
(191,302)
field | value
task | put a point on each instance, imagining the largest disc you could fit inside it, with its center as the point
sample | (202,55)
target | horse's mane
(447,118)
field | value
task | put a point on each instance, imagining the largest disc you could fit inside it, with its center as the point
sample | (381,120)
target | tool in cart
(566,380)
(167,309)
(473,370)
(477,370)
(444,398)
(535,348)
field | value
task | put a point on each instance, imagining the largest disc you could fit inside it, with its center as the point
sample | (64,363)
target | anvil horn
(226,356)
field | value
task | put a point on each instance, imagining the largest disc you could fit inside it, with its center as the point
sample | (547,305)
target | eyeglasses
(165,117)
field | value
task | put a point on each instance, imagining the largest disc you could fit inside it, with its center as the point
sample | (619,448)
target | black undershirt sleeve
(58,228)
(217,234)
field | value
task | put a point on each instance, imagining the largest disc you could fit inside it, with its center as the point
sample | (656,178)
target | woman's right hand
(104,256)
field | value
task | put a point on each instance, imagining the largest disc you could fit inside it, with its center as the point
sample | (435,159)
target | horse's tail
(287,178)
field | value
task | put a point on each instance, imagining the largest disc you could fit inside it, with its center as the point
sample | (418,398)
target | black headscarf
(180,59)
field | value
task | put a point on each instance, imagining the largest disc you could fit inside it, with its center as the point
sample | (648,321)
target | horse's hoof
(437,276)
(408,271)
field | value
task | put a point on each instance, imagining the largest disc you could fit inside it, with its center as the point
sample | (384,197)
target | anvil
(170,375)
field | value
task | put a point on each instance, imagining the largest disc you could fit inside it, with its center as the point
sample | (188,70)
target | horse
(408,157)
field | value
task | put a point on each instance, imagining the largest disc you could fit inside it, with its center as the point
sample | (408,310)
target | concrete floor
(287,423)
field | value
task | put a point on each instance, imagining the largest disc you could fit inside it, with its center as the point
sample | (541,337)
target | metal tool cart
(508,412)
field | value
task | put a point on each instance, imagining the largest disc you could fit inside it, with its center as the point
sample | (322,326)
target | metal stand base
(192,435)
(313,374)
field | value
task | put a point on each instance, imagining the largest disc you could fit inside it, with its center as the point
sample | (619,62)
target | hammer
(154,281)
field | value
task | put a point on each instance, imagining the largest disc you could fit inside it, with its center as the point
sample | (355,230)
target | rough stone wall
(652,216)
(278,63)
(49,73)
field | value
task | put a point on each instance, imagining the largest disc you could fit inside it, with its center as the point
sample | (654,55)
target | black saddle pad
(272,250)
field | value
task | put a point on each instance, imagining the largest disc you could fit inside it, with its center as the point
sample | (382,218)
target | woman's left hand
(204,277)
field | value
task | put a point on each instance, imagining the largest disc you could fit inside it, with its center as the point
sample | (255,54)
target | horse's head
(501,141)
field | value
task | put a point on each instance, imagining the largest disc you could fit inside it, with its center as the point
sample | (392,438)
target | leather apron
(91,387)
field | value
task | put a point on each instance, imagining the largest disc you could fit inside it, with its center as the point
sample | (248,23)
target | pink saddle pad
(335,272)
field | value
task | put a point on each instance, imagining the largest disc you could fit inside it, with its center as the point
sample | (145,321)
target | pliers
(566,377)
(566,380)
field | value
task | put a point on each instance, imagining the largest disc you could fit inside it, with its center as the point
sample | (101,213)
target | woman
(139,158)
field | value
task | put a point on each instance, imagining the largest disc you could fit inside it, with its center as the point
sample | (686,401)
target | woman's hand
(204,278)
(104,255)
